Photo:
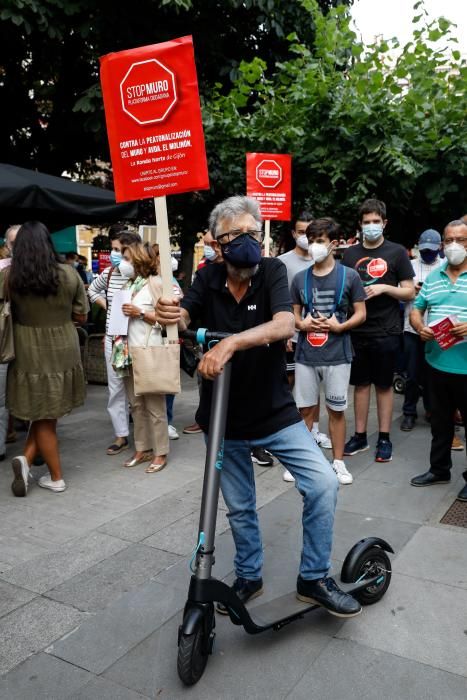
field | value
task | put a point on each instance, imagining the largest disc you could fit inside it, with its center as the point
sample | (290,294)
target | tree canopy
(385,121)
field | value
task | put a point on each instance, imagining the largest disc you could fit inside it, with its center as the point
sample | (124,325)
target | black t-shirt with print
(387,264)
(260,401)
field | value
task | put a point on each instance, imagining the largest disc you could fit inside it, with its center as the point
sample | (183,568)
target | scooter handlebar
(203,336)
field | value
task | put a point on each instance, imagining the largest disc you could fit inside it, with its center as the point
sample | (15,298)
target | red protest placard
(104,261)
(153,120)
(269,180)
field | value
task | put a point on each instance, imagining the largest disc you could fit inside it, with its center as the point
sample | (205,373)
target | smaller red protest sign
(269,181)
(104,261)
(153,118)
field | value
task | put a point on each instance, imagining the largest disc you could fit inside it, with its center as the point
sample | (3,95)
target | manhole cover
(456,515)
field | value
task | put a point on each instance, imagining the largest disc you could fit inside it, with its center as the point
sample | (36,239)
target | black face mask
(429,256)
(243,251)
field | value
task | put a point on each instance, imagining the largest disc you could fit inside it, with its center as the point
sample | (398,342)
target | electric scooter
(365,573)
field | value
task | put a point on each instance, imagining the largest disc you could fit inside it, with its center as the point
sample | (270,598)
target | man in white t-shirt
(429,245)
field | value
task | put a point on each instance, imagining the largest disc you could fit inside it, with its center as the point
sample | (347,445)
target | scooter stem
(212,474)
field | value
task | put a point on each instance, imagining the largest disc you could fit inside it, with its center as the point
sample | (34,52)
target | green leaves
(357,122)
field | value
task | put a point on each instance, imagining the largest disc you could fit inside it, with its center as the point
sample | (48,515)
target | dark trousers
(416,368)
(447,392)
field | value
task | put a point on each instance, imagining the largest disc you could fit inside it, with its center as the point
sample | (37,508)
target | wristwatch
(141,315)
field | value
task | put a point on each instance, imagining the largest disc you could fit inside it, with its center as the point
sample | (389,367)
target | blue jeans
(315,480)
(169,402)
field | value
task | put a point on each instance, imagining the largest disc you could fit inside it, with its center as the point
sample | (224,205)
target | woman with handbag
(140,265)
(45,380)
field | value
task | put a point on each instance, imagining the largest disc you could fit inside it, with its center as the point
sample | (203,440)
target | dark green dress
(46,379)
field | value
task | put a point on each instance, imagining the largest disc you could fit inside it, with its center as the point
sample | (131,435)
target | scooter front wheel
(191,660)
(195,642)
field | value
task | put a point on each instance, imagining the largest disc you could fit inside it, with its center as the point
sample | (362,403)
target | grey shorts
(335,379)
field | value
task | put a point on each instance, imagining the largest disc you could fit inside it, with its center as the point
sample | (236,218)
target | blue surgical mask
(371,232)
(115,257)
(243,252)
(209,252)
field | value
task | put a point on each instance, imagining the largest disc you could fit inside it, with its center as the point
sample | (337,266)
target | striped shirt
(440,297)
(98,288)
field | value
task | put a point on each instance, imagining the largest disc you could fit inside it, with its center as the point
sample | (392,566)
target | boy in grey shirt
(332,300)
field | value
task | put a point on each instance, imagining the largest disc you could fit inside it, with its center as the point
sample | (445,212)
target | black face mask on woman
(429,256)
(243,251)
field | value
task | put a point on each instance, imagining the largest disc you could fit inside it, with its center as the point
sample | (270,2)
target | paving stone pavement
(93,581)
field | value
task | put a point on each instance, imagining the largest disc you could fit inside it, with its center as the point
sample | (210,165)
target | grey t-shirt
(324,349)
(294,264)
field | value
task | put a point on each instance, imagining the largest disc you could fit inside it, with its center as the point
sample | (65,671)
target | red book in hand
(442,331)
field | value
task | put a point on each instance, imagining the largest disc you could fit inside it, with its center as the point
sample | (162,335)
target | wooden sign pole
(163,240)
(267,237)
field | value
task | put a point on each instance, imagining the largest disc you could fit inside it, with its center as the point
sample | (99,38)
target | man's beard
(241,273)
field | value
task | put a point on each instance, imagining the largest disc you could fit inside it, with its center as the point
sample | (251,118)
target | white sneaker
(173,435)
(46,482)
(20,468)
(287,476)
(322,439)
(343,474)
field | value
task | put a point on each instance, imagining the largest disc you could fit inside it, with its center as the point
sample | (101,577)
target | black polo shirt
(260,402)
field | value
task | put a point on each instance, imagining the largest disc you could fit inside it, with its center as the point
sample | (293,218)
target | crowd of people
(319,317)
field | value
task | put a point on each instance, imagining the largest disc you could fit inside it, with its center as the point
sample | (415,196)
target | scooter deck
(279,610)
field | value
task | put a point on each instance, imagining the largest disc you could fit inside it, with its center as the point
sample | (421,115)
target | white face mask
(455,253)
(126,269)
(174,264)
(319,251)
(302,242)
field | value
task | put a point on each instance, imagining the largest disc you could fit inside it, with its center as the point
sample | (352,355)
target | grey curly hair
(232,207)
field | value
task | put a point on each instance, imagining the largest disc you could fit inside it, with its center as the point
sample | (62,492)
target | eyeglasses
(448,241)
(232,235)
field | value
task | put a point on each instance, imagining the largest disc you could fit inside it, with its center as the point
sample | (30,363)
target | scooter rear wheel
(192,656)
(372,562)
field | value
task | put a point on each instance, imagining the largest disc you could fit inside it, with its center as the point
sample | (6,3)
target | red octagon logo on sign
(148,91)
(269,173)
(377,268)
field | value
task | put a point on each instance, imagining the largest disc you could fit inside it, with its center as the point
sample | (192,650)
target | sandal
(154,468)
(115,448)
(134,461)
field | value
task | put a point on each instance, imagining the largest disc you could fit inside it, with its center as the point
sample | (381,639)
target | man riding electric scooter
(248,297)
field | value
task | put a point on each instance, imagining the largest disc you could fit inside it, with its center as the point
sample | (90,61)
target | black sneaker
(408,423)
(326,592)
(262,457)
(462,495)
(245,590)
(354,445)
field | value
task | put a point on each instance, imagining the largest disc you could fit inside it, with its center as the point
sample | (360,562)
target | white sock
(315,428)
